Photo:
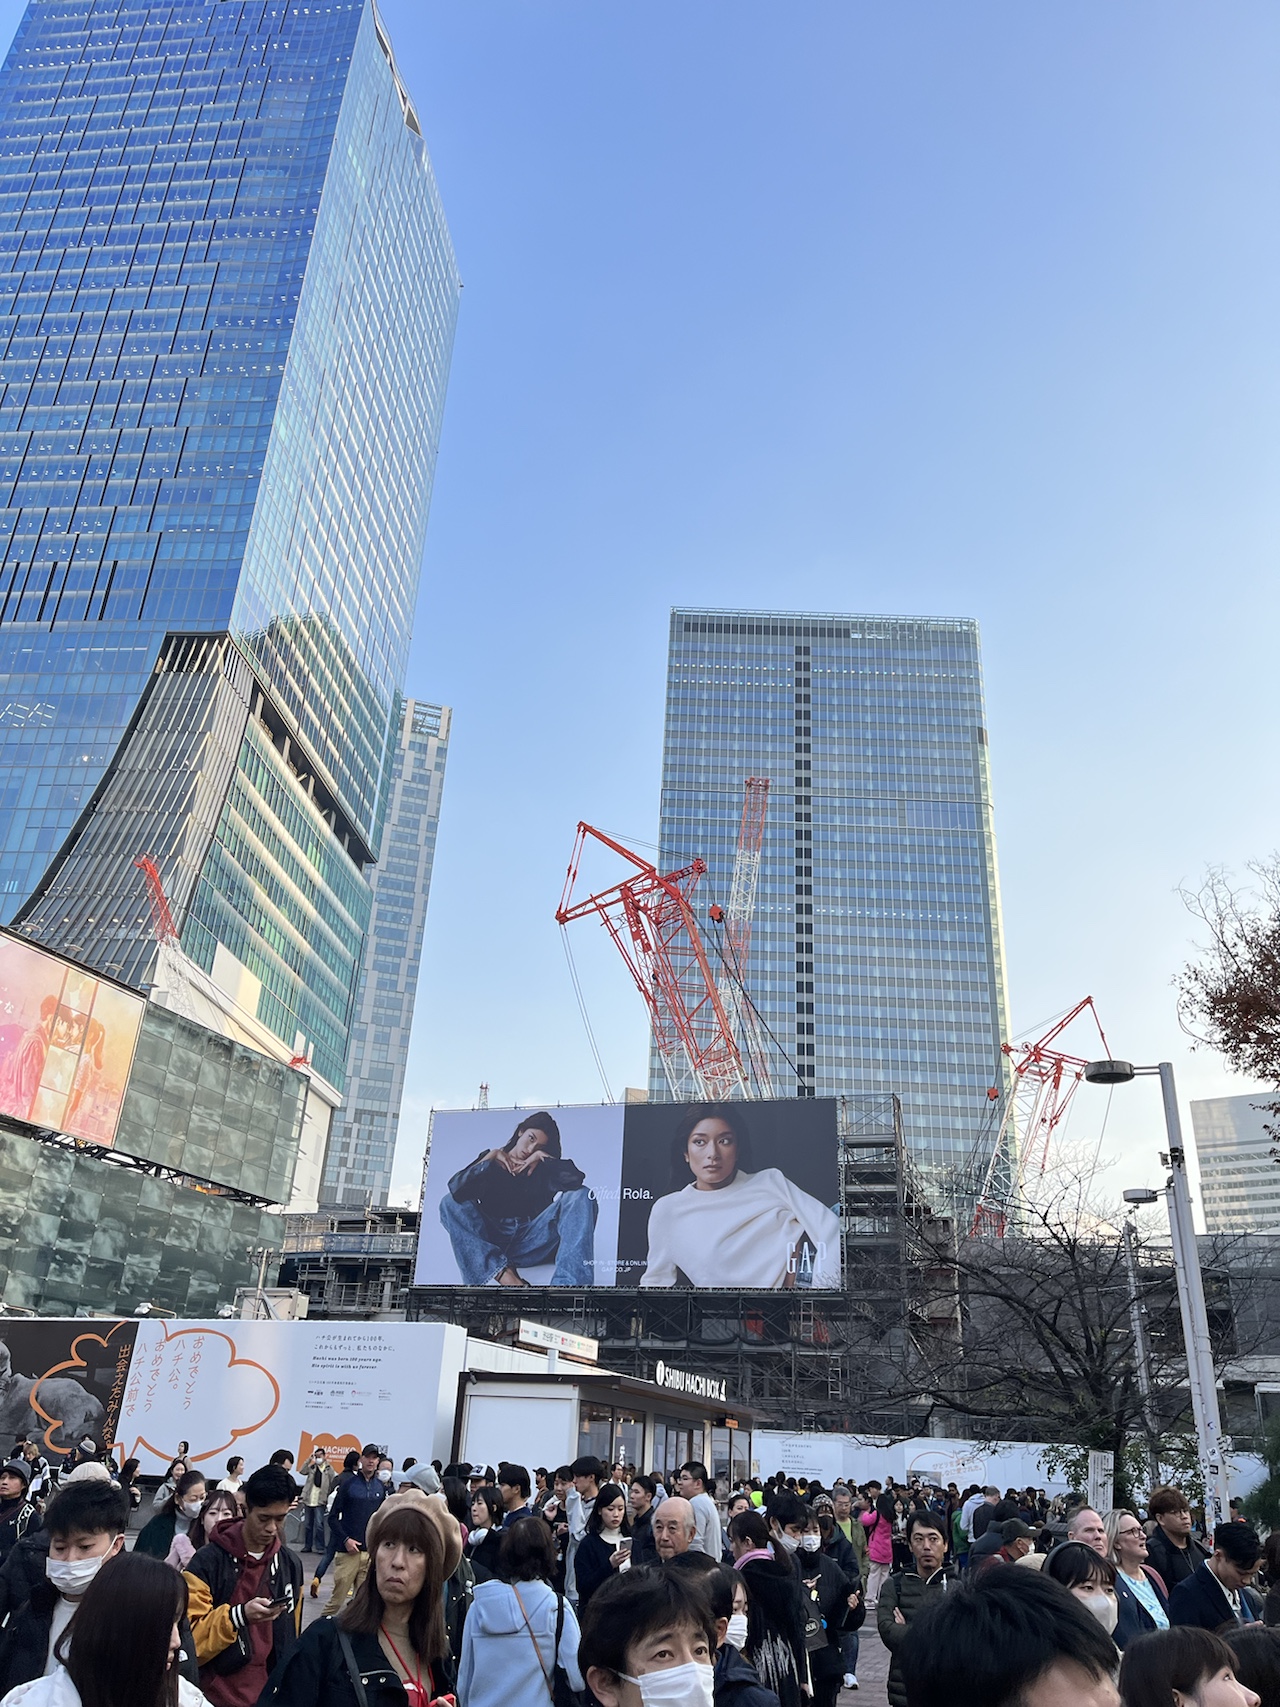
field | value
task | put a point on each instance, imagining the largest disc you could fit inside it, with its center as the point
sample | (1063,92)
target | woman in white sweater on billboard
(723,1225)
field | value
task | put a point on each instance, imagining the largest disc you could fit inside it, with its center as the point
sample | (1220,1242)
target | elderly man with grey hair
(674,1527)
(1086,1526)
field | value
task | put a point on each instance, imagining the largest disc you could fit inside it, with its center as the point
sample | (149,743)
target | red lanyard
(411,1683)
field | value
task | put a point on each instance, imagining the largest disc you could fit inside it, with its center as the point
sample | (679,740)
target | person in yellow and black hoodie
(245,1594)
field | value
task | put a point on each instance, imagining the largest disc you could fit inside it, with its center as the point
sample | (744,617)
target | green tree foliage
(1229,999)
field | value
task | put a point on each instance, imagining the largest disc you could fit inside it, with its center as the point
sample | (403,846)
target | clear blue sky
(857,307)
(852,306)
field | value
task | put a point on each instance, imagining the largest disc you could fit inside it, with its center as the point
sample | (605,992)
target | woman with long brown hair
(122,1647)
(390,1637)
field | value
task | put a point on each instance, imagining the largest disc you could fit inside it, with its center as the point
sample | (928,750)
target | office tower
(875,960)
(1239,1176)
(227,302)
(362,1144)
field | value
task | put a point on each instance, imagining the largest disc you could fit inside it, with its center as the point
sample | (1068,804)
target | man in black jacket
(245,1593)
(644,1491)
(904,1595)
(1217,1592)
(86,1524)
(1171,1548)
(18,1515)
(523,1203)
(360,1493)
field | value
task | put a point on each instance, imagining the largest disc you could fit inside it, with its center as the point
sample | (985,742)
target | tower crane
(651,920)
(737,920)
(1044,1082)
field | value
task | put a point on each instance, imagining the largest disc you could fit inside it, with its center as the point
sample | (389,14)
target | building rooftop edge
(818,615)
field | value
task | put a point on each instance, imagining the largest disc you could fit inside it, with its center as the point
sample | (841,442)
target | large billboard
(66,1043)
(240,1387)
(740,1195)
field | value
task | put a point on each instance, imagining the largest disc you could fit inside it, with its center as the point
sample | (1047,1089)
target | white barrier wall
(1006,1464)
(250,1388)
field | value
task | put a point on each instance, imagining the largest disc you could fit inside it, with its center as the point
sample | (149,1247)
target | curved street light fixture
(1201,1376)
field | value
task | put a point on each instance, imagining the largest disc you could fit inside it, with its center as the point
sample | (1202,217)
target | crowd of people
(591,1583)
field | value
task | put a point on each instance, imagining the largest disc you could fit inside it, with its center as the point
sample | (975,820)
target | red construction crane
(649,917)
(737,919)
(1044,1082)
(161,918)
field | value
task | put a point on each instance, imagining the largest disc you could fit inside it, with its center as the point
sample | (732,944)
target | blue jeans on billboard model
(565,1230)
(313,1540)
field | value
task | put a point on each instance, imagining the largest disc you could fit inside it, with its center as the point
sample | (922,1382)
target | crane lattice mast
(650,919)
(737,918)
(1044,1082)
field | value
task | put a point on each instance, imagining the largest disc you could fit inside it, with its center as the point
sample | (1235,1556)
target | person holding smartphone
(605,1546)
(245,1590)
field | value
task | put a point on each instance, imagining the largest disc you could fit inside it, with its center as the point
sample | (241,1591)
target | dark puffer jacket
(737,1683)
(906,1592)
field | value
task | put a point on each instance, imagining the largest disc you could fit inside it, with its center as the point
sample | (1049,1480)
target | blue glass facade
(227,302)
(876,957)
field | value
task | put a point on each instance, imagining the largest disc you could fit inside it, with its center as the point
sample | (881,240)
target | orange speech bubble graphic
(150,1368)
(62,1404)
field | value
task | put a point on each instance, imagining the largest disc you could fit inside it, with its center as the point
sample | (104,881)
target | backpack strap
(353,1670)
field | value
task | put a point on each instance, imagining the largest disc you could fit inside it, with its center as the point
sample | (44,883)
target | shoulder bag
(561,1691)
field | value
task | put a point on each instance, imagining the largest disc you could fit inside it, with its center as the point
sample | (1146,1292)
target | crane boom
(738,917)
(651,921)
(1044,1082)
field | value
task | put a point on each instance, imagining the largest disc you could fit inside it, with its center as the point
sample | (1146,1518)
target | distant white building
(1239,1180)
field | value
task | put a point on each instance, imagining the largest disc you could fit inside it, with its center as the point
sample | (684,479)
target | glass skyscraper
(227,305)
(1239,1178)
(875,962)
(362,1141)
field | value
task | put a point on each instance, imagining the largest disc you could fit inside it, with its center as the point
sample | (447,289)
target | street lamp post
(1186,1261)
(1141,1349)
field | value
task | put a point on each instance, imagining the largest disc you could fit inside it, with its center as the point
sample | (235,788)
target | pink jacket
(879,1538)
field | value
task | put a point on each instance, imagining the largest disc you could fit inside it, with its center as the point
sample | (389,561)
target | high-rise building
(227,304)
(875,961)
(362,1143)
(1239,1175)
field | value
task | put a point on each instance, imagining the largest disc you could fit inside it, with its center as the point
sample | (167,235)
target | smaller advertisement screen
(66,1043)
(521,1195)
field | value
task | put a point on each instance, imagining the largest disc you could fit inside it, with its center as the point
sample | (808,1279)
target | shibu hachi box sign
(67,1040)
(706,1195)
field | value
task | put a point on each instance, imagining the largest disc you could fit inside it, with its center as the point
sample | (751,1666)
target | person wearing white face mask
(649,1640)
(775,1642)
(86,1524)
(736,1682)
(157,1536)
(1089,1577)
(125,1648)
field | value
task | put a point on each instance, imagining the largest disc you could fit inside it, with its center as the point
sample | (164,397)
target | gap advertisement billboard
(740,1195)
(67,1039)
